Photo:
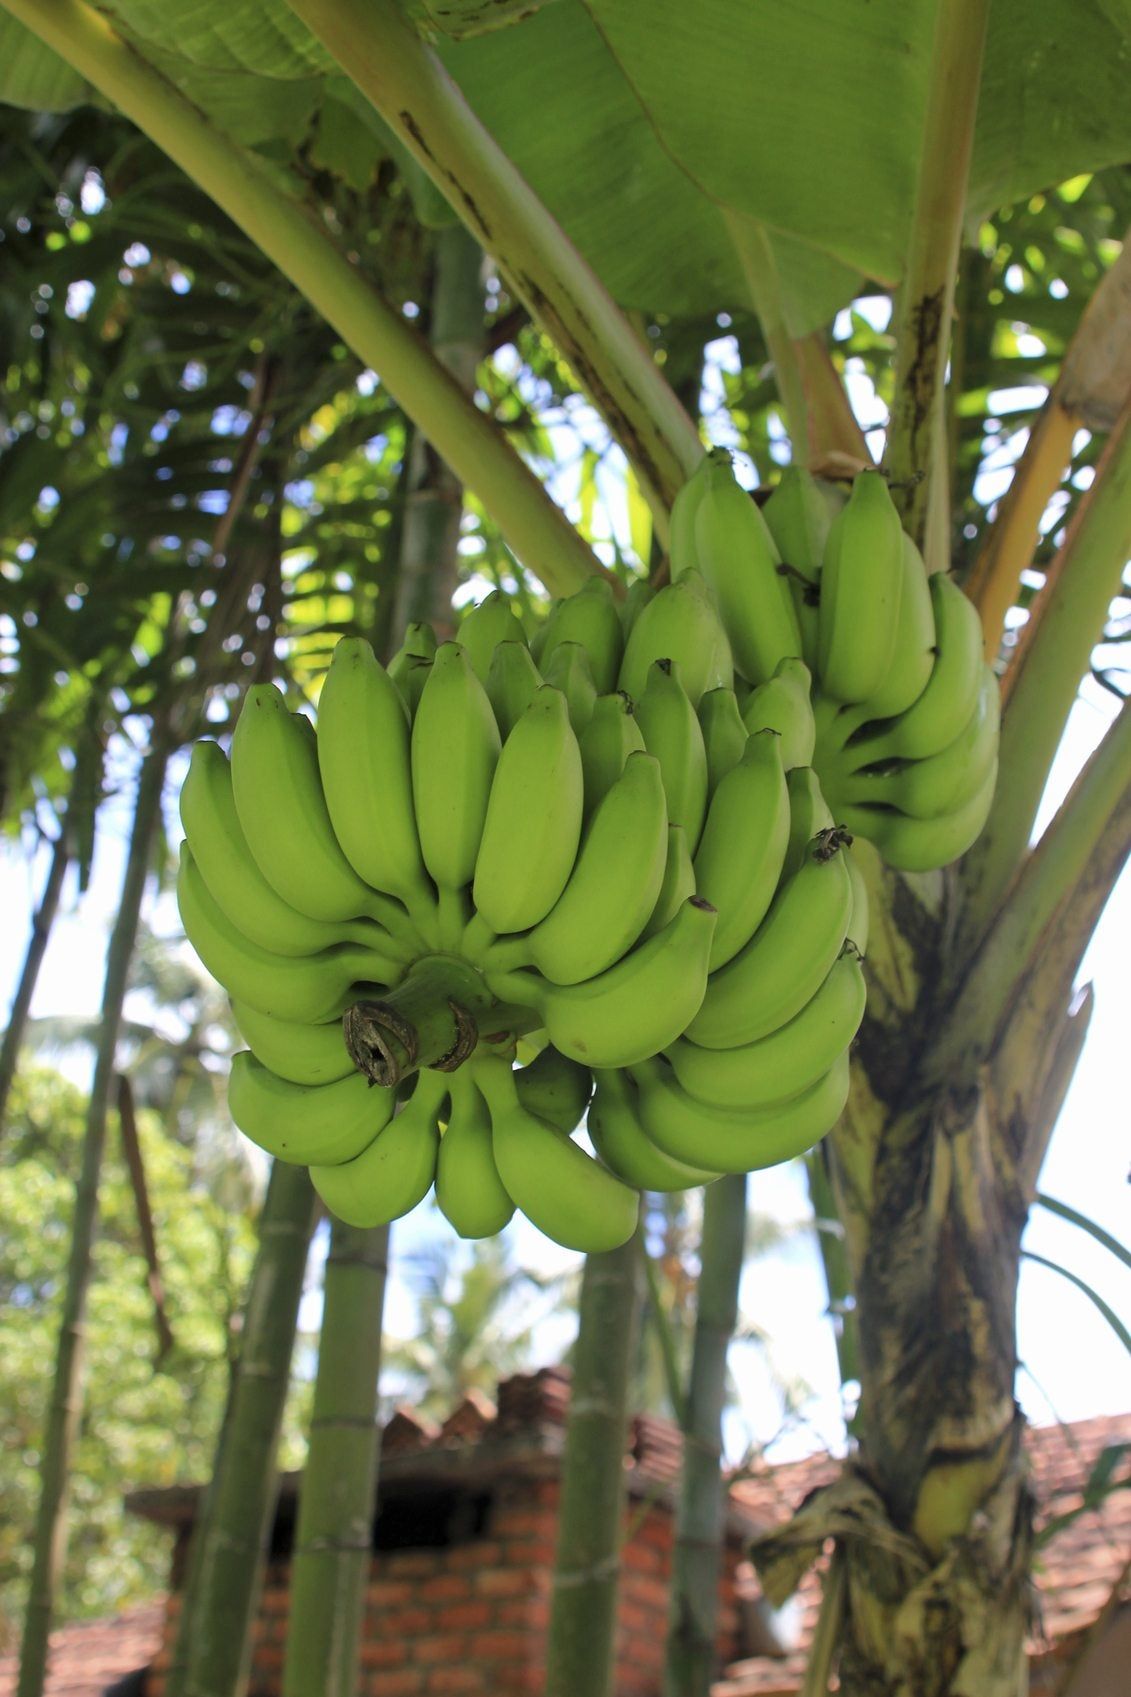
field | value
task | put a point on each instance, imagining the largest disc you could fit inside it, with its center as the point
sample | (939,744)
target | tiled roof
(1076,1569)
(92,1654)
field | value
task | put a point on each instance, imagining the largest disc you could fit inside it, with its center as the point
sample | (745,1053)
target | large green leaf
(641,122)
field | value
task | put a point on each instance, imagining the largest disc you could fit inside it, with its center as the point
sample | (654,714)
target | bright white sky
(1073,1364)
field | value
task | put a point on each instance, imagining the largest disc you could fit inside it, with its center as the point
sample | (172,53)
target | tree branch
(763,285)
(1041,896)
(248,190)
(927,289)
(406,83)
(1048,677)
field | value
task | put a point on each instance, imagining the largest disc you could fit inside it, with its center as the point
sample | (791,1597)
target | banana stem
(290,234)
(927,289)
(760,271)
(407,84)
(1085,578)
(428,1020)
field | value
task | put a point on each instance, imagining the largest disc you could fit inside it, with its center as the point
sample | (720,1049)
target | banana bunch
(906,711)
(594,837)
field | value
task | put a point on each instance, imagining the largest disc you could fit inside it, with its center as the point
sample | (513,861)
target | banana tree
(767,163)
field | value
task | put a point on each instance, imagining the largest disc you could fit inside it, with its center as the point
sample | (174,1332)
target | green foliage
(145,1423)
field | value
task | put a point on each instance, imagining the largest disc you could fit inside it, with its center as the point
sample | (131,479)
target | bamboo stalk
(433,495)
(334,1534)
(927,289)
(66,1399)
(580,1650)
(407,84)
(41,924)
(1048,678)
(289,233)
(697,1556)
(213,1644)
(834,1259)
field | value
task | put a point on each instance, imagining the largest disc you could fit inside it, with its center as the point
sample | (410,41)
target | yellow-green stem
(247,189)
(406,83)
(759,269)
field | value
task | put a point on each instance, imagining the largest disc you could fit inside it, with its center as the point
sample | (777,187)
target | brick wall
(472,1618)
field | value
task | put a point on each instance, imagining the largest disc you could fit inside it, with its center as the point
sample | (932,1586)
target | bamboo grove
(251,451)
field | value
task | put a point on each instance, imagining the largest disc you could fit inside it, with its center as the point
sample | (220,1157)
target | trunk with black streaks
(690,1664)
(64,1412)
(582,1637)
(212,1652)
(335,1520)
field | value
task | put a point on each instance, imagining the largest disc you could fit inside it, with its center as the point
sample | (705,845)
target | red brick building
(459,1591)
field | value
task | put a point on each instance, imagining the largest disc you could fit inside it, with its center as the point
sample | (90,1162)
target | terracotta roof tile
(89,1655)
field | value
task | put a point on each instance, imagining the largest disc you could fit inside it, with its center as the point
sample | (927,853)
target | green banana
(469,1192)
(304,1123)
(569,671)
(943,782)
(861,585)
(302,1054)
(282,811)
(588,617)
(613,887)
(632,1009)
(783,704)
(637,597)
(560,1189)
(620,1141)
(791,1059)
(482,629)
(922,845)
(739,858)
(455,747)
(682,551)
(307,990)
(798,516)
(365,765)
(219,848)
(555,1088)
(533,823)
(787,959)
(611,735)
(678,882)
(512,680)
(809,813)
(914,653)
(729,1141)
(944,707)
(396,1169)
(679,624)
(724,734)
(411,664)
(671,732)
(740,563)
